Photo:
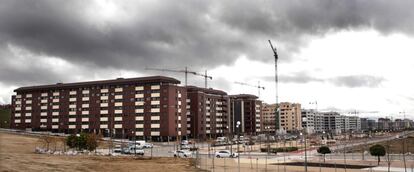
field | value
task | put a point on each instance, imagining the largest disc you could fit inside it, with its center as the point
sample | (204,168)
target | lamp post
(238,141)
(306,158)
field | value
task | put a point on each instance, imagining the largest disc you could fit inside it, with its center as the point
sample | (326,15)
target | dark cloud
(199,34)
(357,81)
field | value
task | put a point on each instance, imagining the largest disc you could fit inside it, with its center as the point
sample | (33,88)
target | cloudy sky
(347,55)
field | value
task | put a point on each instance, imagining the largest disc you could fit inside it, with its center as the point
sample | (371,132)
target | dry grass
(17,154)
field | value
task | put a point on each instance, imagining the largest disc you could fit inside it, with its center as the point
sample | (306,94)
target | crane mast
(276,86)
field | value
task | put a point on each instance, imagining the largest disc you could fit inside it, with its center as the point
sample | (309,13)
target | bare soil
(17,154)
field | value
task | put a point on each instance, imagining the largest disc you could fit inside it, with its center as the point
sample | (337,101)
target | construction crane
(186,72)
(276,85)
(257,86)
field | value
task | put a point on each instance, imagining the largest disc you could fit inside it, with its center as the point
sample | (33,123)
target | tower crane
(257,86)
(186,72)
(276,86)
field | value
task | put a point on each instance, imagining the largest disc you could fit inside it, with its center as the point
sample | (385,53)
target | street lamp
(238,141)
(306,159)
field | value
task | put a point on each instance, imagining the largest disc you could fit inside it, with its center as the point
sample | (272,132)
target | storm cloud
(131,35)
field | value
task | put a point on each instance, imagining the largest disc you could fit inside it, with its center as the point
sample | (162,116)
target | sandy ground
(17,154)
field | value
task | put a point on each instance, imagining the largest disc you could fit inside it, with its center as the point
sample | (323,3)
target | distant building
(290,117)
(354,123)
(332,122)
(269,117)
(384,124)
(372,125)
(364,124)
(245,108)
(308,120)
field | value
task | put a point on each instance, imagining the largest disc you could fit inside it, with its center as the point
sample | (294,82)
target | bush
(83,141)
(283,149)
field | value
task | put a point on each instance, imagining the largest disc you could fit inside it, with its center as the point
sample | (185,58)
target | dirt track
(17,154)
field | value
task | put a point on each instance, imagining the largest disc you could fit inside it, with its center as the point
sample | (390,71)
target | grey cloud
(351,81)
(358,81)
(200,34)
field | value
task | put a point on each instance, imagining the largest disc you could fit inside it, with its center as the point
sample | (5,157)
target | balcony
(18,108)
(18,102)
(73,99)
(155,118)
(104,97)
(155,125)
(155,133)
(43,114)
(155,94)
(85,126)
(118,89)
(85,112)
(43,120)
(55,100)
(155,110)
(118,119)
(155,87)
(17,121)
(44,95)
(72,119)
(104,104)
(55,113)
(28,114)
(118,103)
(55,93)
(104,119)
(85,105)
(118,125)
(17,115)
(139,88)
(85,119)
(104,90)
(140,103)
(28,120)
(55,119)
(139,110)
(103,126)
(139,125)
(72,93)
(118,97)
(72,106)
(72,126)
(28,101)
(72,113)
(55,126)
(155,102)
(55,107)
(139,95)
(85,92)
(118,111)
(139,118)
(139,133)
(104,112)
(85,98)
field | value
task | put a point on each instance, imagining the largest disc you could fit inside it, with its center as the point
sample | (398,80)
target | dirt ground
(17,154)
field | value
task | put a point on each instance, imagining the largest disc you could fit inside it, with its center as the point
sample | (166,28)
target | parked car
(133,150)
(182,153)
(148,145)
(226,154)
(118,149)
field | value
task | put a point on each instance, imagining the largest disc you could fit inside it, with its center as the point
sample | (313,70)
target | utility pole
(277,122)
(186,72)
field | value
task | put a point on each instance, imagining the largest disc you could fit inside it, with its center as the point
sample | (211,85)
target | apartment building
(151,108)
(384,124)
(332,122)
(354,123)
(269,117)
(309,120)
(207,112)
(290,116)
(246,108)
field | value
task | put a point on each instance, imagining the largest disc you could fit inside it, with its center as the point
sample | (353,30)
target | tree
(71,141)
(324,150)
(92,141)
(377,150)
(46,141)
